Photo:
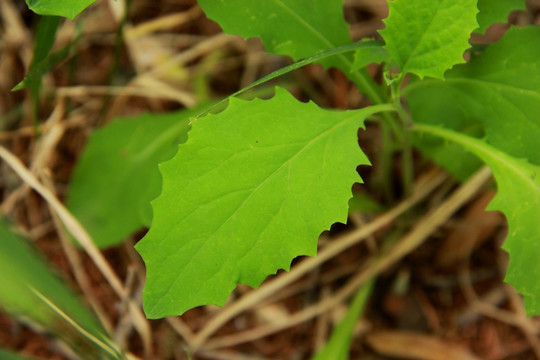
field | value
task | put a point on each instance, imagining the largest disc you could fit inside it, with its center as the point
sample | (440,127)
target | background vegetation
(127,58)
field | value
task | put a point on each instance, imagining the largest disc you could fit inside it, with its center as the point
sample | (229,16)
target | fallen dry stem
(41,154)
(163,23)
(413,239)
(204,47)
(423,188)
(155,90)
(181,329)
(82,236)
(75,262)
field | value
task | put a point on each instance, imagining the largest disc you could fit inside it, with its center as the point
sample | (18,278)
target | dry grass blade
(76,229)
(108,347)
(75,262)
(145,87)
(42,153)
(164,22)
(181,329)
(227,355)
(196,51)
(416,346)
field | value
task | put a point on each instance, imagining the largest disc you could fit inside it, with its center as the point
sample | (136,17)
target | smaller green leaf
(117,176)
(64,8)
(364,56)
(428,37)
(33,78)
(518,197)
(296,28)
(496,11)
(338,346)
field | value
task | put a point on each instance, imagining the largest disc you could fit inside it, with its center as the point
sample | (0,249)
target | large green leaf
(31,291)
(518,197)
(496,11)
(117,176)
(297,28)
(65,8)
(251,189)
(498,91)
(428,37)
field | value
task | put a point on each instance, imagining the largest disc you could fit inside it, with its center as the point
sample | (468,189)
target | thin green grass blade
(337,348)
(26,275)
(370,45)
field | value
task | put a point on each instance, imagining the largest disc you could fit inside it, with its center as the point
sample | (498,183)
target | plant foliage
(255,185)
(296,28)
(496,11)
(245,195)
(428,37)
(237,204)
(118,174)
(500,84)
(518,197)
(65,8)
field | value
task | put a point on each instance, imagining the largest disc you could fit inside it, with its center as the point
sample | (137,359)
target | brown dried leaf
(416,346)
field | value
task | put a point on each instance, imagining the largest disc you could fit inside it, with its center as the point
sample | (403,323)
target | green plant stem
(407,166)
(407,170)
(392,128)
(384,161)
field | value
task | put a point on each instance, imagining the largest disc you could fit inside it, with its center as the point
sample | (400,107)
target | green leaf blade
(117,175)
(518,197)
(68,9)
(295,28)
(247,193)
(497,92)
(496,11)
(428,37)
(364,56)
